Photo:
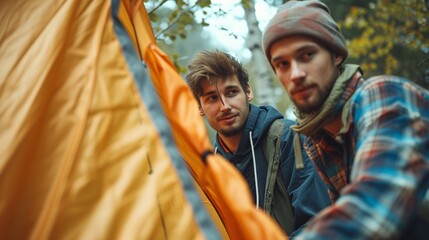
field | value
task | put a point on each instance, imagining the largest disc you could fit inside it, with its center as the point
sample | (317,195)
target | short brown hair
(208,64)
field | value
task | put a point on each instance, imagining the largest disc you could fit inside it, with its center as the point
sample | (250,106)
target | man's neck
(230,143)
(334,126)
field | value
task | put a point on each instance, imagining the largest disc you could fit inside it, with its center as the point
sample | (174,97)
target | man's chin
(230,132)
(307,109)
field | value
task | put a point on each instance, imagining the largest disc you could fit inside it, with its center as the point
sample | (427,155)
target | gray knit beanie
(308,18)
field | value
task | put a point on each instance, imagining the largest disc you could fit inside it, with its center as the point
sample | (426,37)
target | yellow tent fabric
(100,135)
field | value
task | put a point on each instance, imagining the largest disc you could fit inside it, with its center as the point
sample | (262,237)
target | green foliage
(391,38)
(173,19)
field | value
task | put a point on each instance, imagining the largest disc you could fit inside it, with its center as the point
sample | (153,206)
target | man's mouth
(227,117)
(301,91)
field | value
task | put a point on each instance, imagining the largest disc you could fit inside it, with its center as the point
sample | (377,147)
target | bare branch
(156,8)
(175,20)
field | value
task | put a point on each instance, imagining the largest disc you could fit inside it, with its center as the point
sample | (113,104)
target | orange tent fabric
(100,135)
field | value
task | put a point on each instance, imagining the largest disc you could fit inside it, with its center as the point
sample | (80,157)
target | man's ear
(201,111)
(249,93)
(338,60)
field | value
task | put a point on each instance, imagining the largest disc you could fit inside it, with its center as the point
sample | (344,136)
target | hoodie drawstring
(254,169)
(299,162)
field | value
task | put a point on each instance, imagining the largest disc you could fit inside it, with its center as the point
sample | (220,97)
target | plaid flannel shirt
(377,171)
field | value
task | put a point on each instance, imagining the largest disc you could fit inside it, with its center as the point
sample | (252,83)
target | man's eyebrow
(276,59)
(305,47)
(299,50)
(231,87)
(211,92)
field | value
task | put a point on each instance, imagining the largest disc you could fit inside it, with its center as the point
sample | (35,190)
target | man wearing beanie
(369,138)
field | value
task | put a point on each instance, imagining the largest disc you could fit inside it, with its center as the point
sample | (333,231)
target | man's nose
(225,106)
(297,73)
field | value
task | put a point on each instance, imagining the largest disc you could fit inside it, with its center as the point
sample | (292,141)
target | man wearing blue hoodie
(220,84)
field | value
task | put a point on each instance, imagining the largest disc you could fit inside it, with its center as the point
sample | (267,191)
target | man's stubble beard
(232,132)
(315,108)
(310,109)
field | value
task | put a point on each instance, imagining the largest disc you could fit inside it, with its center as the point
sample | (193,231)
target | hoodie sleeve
(307,192)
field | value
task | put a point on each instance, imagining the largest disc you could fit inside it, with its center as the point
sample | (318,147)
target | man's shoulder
(389,83)
(384,90)
(285,121)
(280,128)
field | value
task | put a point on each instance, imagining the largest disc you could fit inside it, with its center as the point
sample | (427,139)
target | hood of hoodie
(258,122)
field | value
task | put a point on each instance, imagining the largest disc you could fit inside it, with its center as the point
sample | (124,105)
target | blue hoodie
(307,192)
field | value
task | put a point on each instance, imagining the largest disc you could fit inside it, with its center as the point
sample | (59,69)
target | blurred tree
(261,73)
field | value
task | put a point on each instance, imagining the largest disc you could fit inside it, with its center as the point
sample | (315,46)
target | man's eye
(281,64)
(307,55)
(231,93)
(212,98)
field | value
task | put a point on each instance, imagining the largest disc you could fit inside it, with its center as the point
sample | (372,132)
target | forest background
(383,37)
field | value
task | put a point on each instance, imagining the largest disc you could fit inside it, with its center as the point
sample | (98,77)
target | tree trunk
(261,73)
